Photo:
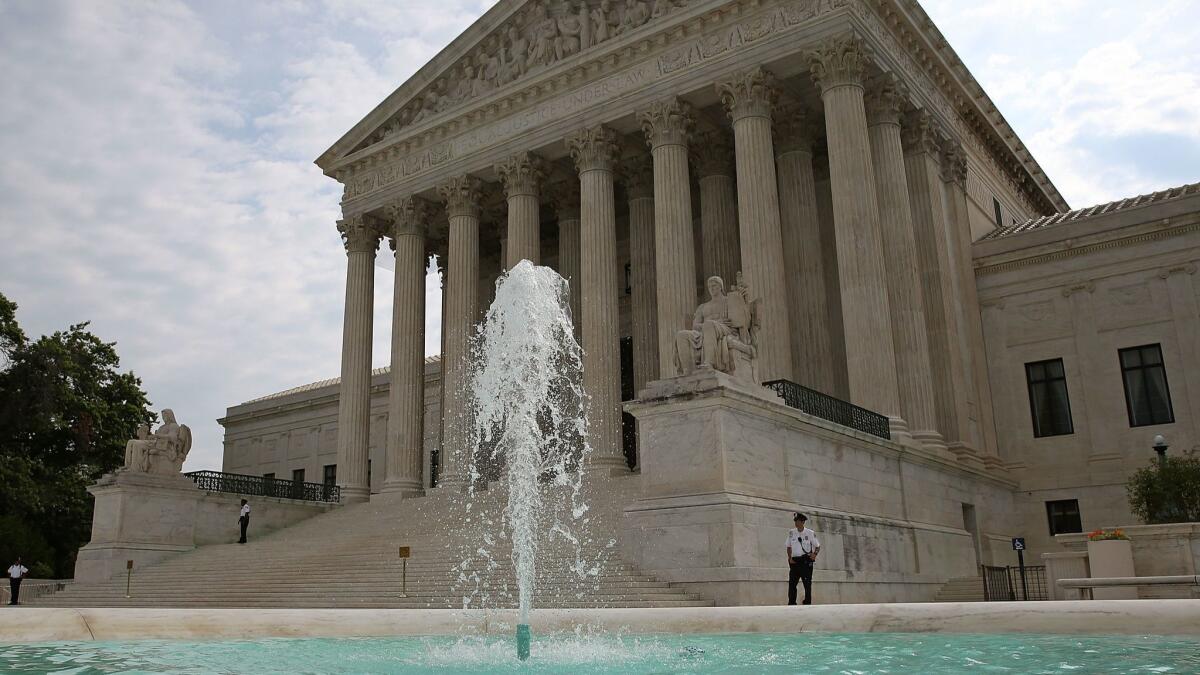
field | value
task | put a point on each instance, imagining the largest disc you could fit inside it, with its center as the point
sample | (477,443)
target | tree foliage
(65,414)
(1168,492)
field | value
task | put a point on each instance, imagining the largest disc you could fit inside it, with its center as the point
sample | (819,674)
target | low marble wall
(217,516)
(722,472)
(1158,551)
(1100,617)
(147,518)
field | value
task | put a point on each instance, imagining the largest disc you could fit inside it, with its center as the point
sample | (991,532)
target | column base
(406,488)
(355,494)
(612,466)
(932,441)
(899,430)
(965,454)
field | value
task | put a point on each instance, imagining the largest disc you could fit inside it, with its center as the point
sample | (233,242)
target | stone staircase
(347,558)
(961,589)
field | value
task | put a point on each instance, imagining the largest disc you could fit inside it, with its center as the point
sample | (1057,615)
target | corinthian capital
(521,174)
(594,148)
(794,130)
(358,235)
(838,62)
(954,163)
(750,93)
(408,216)
(712,154)
(637,173)
(668,122)
(919,133)
(885,98)
(462,195)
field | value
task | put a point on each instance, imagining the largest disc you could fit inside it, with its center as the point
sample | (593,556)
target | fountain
(528,397)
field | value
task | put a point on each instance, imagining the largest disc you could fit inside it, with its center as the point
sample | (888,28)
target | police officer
(802,550)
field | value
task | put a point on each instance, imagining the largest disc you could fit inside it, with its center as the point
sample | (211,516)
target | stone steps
(347,558)
(961,589)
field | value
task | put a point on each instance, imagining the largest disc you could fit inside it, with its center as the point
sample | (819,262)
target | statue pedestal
(142,517)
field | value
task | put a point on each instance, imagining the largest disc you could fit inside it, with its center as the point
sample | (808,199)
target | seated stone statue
(724,334)
(162,452)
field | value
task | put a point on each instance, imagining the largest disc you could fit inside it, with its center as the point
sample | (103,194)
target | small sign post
(1018,544)
(405,552)
(128,575)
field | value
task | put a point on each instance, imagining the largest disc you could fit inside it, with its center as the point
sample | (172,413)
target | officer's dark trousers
(244,521)
(14,587)
(801,569)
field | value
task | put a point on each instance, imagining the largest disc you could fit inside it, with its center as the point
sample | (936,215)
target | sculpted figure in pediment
(604,21)
(544,33)
(661,8)
(636,13)
(571,33)
(514,56)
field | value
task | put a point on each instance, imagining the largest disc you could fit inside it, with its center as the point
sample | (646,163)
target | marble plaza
(911,336)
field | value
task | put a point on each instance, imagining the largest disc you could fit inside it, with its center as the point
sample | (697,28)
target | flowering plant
(1107,535)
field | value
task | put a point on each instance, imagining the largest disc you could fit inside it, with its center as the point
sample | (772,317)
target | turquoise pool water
(578,654)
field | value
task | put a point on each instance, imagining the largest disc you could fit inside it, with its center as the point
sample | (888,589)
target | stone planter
(1112,558)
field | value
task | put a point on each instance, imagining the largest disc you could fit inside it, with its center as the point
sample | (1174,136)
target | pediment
(515,40)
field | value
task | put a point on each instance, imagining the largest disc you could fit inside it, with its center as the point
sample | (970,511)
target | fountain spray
(528,401)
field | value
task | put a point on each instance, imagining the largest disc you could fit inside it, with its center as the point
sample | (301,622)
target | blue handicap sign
(1018,543)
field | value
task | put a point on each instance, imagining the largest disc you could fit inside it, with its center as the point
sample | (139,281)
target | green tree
(1166,492)
(65,414)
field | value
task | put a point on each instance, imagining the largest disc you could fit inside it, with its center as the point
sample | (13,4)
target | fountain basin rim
(1086,617)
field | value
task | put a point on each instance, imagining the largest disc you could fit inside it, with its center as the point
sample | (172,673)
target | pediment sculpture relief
(536,38)
(161,452)
(724,334)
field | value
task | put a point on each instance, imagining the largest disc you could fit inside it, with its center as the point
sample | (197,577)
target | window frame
(1029,384)
(298,475)
(326,478)
(1050,516)
(1141,369)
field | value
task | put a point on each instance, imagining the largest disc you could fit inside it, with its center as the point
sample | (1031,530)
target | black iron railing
(829,408)
(1012,583)
(261,486)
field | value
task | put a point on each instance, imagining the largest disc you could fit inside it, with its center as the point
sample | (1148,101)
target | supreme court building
(911,257)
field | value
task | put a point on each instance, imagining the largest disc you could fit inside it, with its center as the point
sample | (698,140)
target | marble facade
(838,155)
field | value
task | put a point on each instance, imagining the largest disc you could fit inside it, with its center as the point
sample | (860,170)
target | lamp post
(1160,446)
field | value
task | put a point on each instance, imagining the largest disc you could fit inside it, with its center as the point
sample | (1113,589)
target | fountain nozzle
(523,638)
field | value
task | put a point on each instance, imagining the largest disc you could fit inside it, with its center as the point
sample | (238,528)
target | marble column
(911,342)
(808,310)
(361,240)
(983,432)
(838,67)
(749,98)
(668,125)
(461,195)
(594,150)
(522,176)
(712,159)
(565,199)
(406,396)
(637,172)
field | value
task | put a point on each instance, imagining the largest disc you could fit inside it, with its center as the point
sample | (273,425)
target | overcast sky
(156,172)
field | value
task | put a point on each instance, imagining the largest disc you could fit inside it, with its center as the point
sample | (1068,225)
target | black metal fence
(829,408)
(1009,583)
(261,486)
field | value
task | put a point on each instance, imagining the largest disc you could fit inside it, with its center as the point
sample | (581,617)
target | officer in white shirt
(802,550)
(244,520)
(15,574)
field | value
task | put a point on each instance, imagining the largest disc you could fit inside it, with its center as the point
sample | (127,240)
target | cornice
(1071,248)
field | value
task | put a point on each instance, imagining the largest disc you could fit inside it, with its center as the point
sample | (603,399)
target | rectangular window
(1063,516)
(1048,402)
(269,476)
(1147,397)
(999,213)
(330,476)
(298,475)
